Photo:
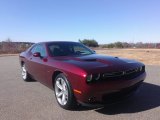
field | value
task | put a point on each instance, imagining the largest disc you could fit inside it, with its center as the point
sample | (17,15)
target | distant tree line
(131,45)
(10,47)
(89,42)
(94,43)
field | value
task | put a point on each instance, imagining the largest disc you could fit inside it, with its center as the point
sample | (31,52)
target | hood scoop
(90,60)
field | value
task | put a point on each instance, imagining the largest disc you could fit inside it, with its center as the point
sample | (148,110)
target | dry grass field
(147,56)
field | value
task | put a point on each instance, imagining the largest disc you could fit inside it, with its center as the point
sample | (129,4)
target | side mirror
(36,54)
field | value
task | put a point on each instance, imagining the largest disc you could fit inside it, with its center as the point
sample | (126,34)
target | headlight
(93,77)
(89,78)
(96,76)
(140,68)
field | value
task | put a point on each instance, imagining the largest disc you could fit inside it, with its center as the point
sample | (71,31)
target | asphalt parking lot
(21,100)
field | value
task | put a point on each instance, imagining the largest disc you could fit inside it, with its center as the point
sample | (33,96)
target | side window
(33,50)
(81,50)
(39,48)
(55,50)
(42,50)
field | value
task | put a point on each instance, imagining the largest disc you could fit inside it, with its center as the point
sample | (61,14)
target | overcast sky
(69,20)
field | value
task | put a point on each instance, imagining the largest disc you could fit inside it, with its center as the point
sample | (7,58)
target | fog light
(92,99)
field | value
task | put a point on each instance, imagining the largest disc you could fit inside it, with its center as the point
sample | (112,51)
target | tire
(64,93)
(25,76)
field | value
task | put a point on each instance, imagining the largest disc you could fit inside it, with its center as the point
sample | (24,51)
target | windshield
(68,49)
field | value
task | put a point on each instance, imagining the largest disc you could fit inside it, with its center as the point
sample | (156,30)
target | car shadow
(148,97)
(32,80)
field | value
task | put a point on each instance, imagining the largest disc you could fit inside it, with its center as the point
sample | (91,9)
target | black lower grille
(112,97)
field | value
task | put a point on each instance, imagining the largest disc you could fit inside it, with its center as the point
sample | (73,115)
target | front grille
(128,74)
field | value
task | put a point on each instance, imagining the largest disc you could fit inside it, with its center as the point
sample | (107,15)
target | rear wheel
(63,92)
(25,75)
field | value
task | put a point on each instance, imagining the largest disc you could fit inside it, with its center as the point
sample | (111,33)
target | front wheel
(26,77)
(63,92)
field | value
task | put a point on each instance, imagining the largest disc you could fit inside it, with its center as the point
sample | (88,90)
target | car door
(37,64)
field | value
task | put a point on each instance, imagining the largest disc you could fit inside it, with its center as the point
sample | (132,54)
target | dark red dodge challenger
(78,75)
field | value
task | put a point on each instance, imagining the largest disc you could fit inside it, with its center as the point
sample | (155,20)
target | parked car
(78,75)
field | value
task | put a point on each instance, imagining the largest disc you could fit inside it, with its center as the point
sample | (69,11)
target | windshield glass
(68,49)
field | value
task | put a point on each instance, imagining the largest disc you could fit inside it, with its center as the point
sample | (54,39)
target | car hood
(99,63)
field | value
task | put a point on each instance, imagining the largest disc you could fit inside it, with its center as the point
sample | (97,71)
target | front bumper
(109,91)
